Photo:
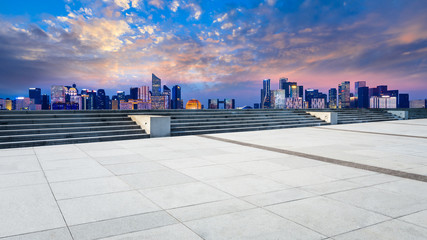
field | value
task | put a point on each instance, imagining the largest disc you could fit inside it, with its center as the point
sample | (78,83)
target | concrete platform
(359,181)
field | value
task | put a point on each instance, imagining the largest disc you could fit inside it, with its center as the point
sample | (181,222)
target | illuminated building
(333,98)
(358,85)
(45,102)
(144,94)
(265,94)
(229,103)
(293,90)
(383,102)
(156,85)
(177,102)
(420,103)
(9,104)
(126,105)
(213,103)
(115,104)
(167,95)
(294,103)
(57,96)
(278,99)
(344,95)
(35,94)
(317,103)
(100,99)
(22,103)
(158,102)
(284,85)
(193,104)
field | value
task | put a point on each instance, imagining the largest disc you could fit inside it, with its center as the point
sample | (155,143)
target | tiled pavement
(197,188)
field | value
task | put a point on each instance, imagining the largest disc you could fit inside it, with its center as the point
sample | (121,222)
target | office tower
(177,102)
(2,104)
(22,103)
(373,92)
(91,100)
(156,85)
(403,100)
(284,84)
(229,103)
(45,102)
(256,105)
(278,99)
(310,94)
(213,103)
(144,93)
(420,103)
(383,102)
(301,92)
(357,85)
(35,94)
(293,90)
(58,97)
(344,95)
(382,90)
(167,95)
(363,97)
(100,99)
(265,94)
(333,98)
(121,95)
(134,93)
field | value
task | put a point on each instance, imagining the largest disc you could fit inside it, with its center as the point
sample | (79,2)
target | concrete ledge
(156,126)
(329,117)
(401,114)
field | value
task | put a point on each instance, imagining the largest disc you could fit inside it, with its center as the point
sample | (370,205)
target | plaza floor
(357,181)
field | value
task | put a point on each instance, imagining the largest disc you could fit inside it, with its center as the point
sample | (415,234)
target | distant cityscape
(289,95)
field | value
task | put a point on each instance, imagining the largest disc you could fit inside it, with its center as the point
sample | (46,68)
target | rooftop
(358,181)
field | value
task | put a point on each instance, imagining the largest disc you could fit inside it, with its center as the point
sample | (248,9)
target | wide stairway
(417,113)
(346,116)
(221,121)
(39,128)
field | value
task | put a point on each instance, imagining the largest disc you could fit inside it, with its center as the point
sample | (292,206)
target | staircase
(346,116)
(28,129)
(221,121)
(417,113)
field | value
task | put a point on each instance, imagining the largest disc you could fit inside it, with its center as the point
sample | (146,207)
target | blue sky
(214,49)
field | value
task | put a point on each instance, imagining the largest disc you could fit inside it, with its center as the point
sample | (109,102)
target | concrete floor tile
(418,218)
(326,216)
(69,174)
(269,198)
(131,168)
(21,179)
(156,179)
(211,172)
(256,167)
(186,163)
(176,231)
(122,225)
(57,234)
(210,209)
(28,209)
(184,194)
(88,187)
(103,207)
(299,177)
(331,187)
(390,230)
(250,224)
(246,185)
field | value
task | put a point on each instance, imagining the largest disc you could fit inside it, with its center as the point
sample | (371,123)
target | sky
(212,48)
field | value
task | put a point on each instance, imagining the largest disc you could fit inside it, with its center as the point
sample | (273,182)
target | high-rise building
(301,92)
(229,103)
(293,88)
(357,85)
(91,100)
(213,103)
(382,90)
(167,95)
(284,84)
(363,97)
(22,103)
(278,99)
(177,102)
(134,93)
(100,99)
(419,103)
(144,94)
(344,95)
(57,97)
(265,94)
(35,94)
(403,100)
(373,92)
(333,98)
(45,102)
(256,105)
(156,85)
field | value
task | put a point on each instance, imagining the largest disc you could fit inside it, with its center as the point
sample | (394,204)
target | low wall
(156,126)
(401,114)
(329,117)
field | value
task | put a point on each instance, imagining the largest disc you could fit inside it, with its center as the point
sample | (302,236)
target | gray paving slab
(131,168)
(156,179)
(57,234)
(176,231)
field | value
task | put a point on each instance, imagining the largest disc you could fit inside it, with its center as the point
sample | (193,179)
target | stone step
(71,140)
(362,121)
(62,120)
(66,135)
(188,120)
(244,129)
(64,125)
(70,129)
(236,115)
(226,124)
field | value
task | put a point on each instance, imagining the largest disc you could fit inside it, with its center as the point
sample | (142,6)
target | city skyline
(212,49)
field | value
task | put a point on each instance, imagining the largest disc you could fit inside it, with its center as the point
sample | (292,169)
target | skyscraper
(100,99)
(363,97)
(301,92)
(177,102)
(333,98)
(265,94)
(357,85)
(57,95)
(403,100)
(167,95)
(144,93)
(156,85)
(35,94)
(133,93)
(284,84)
(45,102)
(344,95)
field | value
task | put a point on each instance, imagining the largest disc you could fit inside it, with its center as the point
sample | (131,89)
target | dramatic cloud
(217,49)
